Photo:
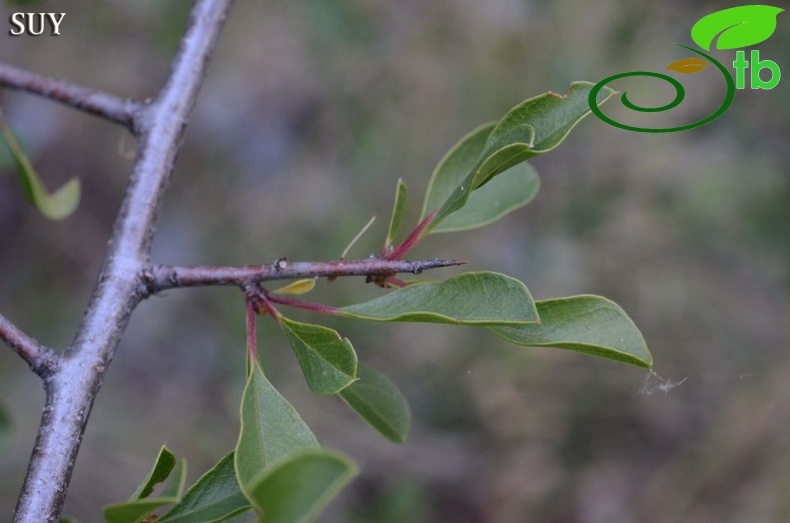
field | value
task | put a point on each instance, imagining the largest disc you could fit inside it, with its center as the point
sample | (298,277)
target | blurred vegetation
(310,113)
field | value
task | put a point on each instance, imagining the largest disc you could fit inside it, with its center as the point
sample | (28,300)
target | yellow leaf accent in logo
(688,65)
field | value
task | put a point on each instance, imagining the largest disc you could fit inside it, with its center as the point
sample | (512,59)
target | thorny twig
(72,379)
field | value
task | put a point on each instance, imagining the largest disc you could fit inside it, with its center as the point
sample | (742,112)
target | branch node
(41,359)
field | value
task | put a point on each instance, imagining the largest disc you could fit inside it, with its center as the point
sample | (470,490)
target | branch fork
(72,379)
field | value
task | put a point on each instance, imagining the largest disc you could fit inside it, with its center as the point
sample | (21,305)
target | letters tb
(35,23)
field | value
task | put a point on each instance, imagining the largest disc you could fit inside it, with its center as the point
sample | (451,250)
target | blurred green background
(311,111)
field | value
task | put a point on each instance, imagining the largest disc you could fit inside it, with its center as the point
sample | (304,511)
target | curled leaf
(455,167)
(215,497)
(55,206)
(164,464)
(736,27)
(688,65)
(507,192)
(534,127)
(140,505)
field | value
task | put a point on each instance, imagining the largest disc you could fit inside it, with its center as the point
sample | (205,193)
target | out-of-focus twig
(101,104)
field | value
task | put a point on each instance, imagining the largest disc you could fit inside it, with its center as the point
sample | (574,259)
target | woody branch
(72,388)
(112,108)
(163,277)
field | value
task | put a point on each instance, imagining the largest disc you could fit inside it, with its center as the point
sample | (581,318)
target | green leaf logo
(736,27)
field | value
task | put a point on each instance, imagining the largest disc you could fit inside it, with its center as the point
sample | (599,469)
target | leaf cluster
(278,471)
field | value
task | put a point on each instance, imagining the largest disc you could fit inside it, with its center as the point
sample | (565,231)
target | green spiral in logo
(680,94)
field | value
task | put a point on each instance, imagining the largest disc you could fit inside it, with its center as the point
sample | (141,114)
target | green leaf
(738,26)
(455,167)
(397,213)
(509,191)
(175,489)
(55,206)
(589,324)
(271,430)
(215,497)
(472,298)
(298,488)
(163,466)
(533,127)
(536,126)
(328,360)
(378,401)
(139,504)
(506,193)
